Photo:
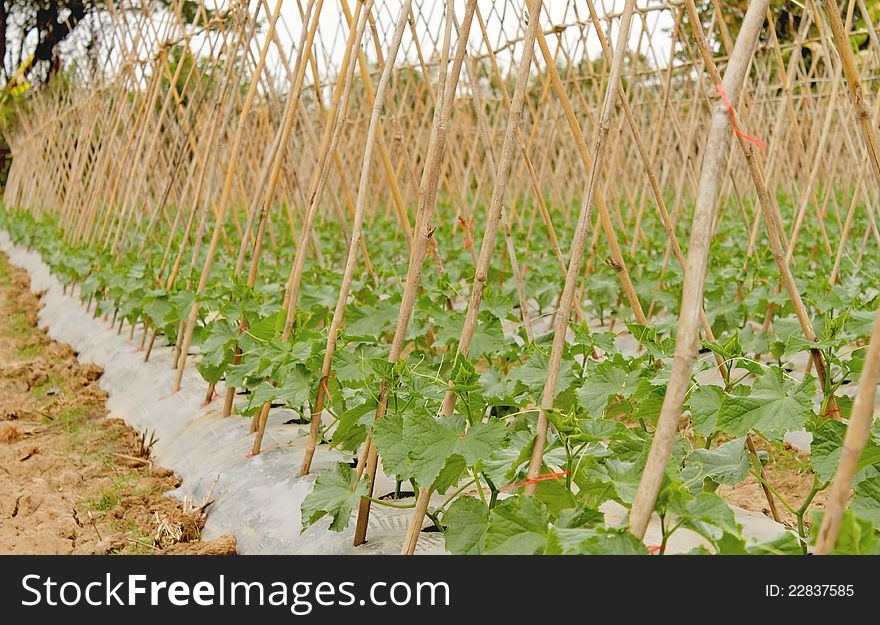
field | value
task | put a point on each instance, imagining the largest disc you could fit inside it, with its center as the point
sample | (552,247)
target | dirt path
(71,480)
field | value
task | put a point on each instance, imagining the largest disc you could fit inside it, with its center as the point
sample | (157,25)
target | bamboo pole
(698,251)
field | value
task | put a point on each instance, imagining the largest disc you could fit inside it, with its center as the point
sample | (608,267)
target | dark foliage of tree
(39,27)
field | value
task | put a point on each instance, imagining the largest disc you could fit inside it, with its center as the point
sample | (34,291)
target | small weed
(107,501)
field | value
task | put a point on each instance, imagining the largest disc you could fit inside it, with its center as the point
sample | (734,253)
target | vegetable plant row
(603,415)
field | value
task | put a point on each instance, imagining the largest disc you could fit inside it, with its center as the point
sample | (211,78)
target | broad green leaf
(375,320)
(827,445)
(517,526)
(353,424)
(774,406)
(786,544)
(488,338)
(294,387)
(599,430)
(466,521)
(335,495)
(393,448)
(268,327)
(705,403)
(504,461)
(433,441)
(625,476)
(857,535)
(555,494)
(451,473)
(498,389)
(533,374)
(604,382)
(649,339)
(726,464)
(866,503)
(708,515)
(728,350)
(598,542)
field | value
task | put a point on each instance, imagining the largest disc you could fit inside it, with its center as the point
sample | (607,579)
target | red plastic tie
(324,382)
(534,480)
(170,393)
(655,548)
(205,404)
(830,412)
(736,129)
(251,453)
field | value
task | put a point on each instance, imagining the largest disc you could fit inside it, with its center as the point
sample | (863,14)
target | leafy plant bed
(476,459)
(255,498)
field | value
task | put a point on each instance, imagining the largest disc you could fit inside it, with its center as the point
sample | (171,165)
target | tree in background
(787,15)
(39,35)
(36,30)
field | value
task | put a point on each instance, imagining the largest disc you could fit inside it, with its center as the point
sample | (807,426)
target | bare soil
(73,481)
(787,472)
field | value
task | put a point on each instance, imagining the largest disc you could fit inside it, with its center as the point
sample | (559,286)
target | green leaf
(860,322)
(774,406)
(709,516)
(488,338)
(267,327)
(450,474)
(293,388)
(498,389)
(533,374)
(726,464)
(351,366)
(375,320)
(827,445)
(728,350)
(293,392)
(433,441)
(555,494)
(857,536)
(353,424)
(597,542)
(392,447)
(625,476)
(786,544)
(504,461)
(604,382)
(466,521)
(648,337)
(517,526)
(464,377)
(334,494)
(866,503)
(705,403)
(596,430)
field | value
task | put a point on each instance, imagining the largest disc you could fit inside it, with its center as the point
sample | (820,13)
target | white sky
(503,23)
